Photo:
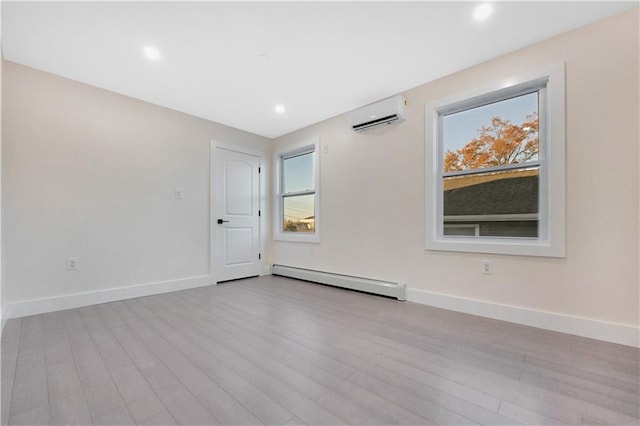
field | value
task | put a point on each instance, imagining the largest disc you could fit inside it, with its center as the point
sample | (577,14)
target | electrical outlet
(72,263)
(325,148)
(312,251)
(487,267)
(179,194)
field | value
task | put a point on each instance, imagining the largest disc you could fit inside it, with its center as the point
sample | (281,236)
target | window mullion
(506,167)
(298,193)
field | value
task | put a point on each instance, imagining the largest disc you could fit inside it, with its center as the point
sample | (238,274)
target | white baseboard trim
(77,300)
(584,327)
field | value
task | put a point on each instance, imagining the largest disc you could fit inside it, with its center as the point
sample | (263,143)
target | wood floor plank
(621,381)
(141,400)
(30,395)
(244,357)
(459,419)
(226,408)
(525,416)
(169,389)
(276,346)
(253,399)
(36,416)
(573,403)
(377,339)
(352,412)
(214,367)
(353,353)
(8,357)
(300,405)
(305,416)
(106,405)
(88,361)
(295,422)
(303,407)
(607,390)
(462,389)
(429,402)
(274,350)
(612,403)
(66,395)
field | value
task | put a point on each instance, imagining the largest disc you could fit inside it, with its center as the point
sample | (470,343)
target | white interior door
(236,215)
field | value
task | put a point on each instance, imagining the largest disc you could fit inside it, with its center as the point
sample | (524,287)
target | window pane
(299,213)
(503,204)
(297,173)
(496,134)
(467,230)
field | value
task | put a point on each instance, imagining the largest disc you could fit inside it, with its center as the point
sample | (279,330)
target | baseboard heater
(367,285)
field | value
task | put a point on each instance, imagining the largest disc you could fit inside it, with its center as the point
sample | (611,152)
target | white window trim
(551,242)
(278,233)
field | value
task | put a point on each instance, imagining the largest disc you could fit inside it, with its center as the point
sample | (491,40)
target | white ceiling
(322,59)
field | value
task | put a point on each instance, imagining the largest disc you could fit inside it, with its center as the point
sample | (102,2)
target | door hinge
(259,170)
(259,213)
(259,255)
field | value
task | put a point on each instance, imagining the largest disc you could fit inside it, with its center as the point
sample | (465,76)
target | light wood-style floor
(272,350)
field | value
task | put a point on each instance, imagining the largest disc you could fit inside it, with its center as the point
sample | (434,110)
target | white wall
(2,318)
(90,173)
(372,208)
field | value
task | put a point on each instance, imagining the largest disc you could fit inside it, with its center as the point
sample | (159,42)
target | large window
(497,184)
(297,194)
(491,167)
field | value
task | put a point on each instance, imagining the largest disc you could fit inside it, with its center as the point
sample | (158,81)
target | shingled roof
(503,196)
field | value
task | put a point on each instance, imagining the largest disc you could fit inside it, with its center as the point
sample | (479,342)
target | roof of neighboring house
(503,196)
(466,180)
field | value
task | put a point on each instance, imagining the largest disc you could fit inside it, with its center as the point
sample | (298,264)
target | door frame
(214,145)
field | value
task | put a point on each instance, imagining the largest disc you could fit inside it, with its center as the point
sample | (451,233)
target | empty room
(320,213)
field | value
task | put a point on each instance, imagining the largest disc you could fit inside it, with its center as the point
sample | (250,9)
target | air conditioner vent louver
(384,120)
(388,111)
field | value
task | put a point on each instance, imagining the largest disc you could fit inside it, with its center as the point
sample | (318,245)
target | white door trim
(216,144)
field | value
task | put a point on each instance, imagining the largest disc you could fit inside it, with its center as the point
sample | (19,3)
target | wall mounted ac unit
(388,111)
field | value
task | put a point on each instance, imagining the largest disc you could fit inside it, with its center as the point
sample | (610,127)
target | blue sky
(460,128)
(298,172)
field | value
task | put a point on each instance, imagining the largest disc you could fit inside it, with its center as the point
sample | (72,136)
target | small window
(297,198)
(298,193)
(494,155)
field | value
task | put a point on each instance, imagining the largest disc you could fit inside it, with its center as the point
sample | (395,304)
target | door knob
(220,221)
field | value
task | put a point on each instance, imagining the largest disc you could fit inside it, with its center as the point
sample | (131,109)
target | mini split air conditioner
(380,113)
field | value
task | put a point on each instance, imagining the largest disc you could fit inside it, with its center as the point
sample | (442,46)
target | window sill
(516,247)
(297,238)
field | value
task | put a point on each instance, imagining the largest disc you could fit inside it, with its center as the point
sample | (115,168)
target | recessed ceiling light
(280,109)
(151,53)
(482,11)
